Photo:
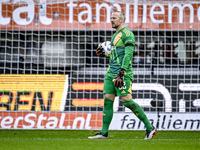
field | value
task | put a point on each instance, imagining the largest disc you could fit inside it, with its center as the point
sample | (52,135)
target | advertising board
(95,15)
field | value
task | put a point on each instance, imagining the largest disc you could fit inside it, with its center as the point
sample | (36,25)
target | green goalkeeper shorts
(109,87)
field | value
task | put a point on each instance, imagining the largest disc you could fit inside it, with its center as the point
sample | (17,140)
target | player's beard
(114,26)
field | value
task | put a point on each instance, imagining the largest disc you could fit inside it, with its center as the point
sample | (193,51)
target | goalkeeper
(119,77)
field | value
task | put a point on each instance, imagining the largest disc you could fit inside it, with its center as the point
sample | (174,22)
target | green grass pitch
(77,140)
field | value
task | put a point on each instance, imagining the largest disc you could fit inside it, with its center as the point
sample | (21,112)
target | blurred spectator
(33,51)
(22,51)
(180,51)
(139,56)
(2,50)
(170,55)
(192,56)
(156,53)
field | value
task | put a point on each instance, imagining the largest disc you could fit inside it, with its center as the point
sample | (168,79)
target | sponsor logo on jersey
(129,41)
(123,92)
(137,114)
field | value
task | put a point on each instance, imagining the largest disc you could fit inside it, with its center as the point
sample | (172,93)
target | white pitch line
(86,139)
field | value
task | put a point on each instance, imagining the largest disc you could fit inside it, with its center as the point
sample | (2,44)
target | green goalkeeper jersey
(123,43)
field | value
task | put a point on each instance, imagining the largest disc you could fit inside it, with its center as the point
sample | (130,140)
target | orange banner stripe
(87,86)
(88,102)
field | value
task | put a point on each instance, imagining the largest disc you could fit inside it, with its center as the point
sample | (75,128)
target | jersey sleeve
(129,42)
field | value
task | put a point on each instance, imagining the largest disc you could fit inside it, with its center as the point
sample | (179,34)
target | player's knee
(127,97)
(110,96)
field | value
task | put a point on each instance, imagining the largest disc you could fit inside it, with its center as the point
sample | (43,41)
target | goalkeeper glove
(100,51)
(119,79)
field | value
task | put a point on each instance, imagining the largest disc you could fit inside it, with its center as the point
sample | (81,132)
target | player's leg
(107,117)
(107,112)
(125,93)
(138,111)
(109,96)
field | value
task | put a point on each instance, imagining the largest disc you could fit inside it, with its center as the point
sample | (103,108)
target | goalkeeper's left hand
(119,79)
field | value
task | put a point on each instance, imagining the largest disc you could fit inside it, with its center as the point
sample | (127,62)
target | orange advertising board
(95,15)
(28,120)
(33,92)
(88,86)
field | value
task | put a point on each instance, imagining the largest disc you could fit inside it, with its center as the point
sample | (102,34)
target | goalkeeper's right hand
(100,51)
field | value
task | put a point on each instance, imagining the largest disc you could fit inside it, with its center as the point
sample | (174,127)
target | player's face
(115,20)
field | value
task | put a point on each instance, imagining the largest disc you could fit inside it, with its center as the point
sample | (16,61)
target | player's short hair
(121,15)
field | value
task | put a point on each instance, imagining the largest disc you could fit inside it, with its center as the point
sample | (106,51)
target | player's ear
(122,20)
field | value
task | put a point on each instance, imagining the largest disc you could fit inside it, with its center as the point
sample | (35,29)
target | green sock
(138,111)
(107,115)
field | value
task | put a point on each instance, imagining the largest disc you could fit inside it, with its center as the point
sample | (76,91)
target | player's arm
(129,47)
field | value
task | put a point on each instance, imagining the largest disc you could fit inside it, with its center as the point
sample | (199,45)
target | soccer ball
(107,48)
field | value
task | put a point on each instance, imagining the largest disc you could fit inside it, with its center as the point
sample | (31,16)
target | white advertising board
(171,121)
